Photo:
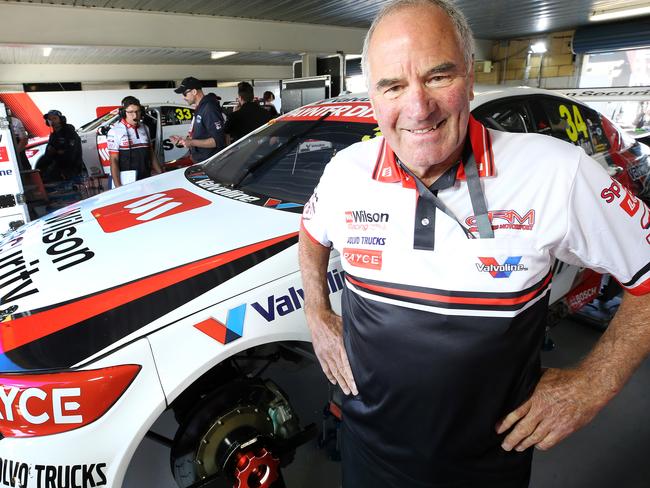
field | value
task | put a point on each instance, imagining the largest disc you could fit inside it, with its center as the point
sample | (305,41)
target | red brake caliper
(256,469)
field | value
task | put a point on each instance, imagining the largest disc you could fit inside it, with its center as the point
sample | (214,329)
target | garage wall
(558,65)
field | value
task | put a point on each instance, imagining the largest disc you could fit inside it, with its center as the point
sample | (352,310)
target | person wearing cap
(206,136)
(62,159)
(249,116)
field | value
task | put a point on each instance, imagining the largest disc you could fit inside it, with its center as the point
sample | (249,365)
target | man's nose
(420,102)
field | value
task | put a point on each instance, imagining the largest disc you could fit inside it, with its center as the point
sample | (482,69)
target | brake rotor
(256,469)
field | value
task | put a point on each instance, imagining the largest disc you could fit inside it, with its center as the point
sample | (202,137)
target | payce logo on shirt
(492,266)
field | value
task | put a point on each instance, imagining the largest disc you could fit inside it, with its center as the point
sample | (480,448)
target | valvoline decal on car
(273,307)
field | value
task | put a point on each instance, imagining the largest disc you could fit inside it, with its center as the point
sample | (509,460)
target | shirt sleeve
(213,124)
(608,228)
(318,211)
(112,141)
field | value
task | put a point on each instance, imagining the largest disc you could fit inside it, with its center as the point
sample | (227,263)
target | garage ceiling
(494,19)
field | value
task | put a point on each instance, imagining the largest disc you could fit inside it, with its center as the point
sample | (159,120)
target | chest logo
(363,258)
(492,266)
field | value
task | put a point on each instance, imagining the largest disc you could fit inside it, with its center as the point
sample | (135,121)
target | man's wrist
(188,142)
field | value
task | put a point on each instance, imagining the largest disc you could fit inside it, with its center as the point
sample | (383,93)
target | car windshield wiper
(232,174)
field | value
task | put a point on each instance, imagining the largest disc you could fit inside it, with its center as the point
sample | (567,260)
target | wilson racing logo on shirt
(364,220)
(491,265)
(122,215)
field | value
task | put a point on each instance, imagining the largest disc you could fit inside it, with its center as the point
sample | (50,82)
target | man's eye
(440,81)
(393,90)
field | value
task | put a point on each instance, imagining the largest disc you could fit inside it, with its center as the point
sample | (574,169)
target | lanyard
(476,196)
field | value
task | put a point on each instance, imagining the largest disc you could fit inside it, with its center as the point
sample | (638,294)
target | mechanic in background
(206,137)
(129,146)
(62,159)
(249,116)
(268,99)
(20,141)
(444,311)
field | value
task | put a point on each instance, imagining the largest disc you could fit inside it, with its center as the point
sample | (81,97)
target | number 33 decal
(183,114)
(575,122)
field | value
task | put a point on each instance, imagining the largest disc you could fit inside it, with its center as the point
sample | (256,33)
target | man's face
(420,87)
(133,113)
(190,97)
(55,121)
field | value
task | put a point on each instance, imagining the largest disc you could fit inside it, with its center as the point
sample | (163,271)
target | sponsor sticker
(4,154)
(363,258)
(18,474)
(492,266)
(137,211)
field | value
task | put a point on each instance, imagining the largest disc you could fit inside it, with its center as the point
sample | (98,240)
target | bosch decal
(66,251)
(366,240)
(223,191)
(137,211)
(512,218)
(363,258)
(22,475)
(490,265)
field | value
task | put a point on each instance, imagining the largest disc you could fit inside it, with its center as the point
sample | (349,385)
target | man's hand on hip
(327,338)
(563,402)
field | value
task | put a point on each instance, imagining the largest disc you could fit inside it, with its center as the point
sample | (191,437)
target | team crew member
(447,233)
(268,98)
(62,159)
(249,116)
(129,145)
(20,141)
(206,137)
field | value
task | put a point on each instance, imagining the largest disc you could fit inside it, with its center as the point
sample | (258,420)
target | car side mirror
(103,130)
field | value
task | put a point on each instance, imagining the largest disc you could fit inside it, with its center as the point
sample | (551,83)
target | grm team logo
(490,265)
(122,215)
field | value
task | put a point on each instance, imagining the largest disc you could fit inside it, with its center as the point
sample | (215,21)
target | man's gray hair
(463,30)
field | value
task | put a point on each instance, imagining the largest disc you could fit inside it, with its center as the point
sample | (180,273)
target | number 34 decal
(183,114)
(575,122)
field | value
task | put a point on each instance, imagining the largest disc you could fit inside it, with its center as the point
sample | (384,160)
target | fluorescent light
(538,48)
(599,15)
(352,56)
(221,54)
(47,51)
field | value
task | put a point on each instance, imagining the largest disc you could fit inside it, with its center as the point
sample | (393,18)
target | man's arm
(204,143)
(325,325)
(567,399)
(155,165)
(115,169)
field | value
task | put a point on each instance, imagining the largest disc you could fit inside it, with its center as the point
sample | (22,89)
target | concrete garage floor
(613,451)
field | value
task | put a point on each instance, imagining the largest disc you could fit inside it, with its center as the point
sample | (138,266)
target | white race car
(163,121)
(103,329)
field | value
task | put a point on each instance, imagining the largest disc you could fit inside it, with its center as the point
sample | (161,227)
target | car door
(176,121)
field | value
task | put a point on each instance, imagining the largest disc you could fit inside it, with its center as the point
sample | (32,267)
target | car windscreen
(285,159)
(93,124)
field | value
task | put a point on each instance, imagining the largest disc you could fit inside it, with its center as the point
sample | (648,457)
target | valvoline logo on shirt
(492,266)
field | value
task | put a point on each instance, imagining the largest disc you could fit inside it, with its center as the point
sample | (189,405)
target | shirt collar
(387,169)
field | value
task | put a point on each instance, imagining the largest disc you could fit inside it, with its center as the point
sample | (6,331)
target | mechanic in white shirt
(444,308)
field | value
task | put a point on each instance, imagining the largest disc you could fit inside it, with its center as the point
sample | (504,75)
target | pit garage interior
(77,47)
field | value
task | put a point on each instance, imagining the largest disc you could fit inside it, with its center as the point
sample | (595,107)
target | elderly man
(443,314)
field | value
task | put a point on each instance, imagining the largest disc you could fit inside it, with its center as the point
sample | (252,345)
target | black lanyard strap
(477,197)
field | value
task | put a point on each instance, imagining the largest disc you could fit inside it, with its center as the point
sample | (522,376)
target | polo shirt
(133,145)
(245,120)
(444,339)
(208,122)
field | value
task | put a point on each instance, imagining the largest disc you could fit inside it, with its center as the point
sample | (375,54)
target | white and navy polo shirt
(133,144)
(444,331)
